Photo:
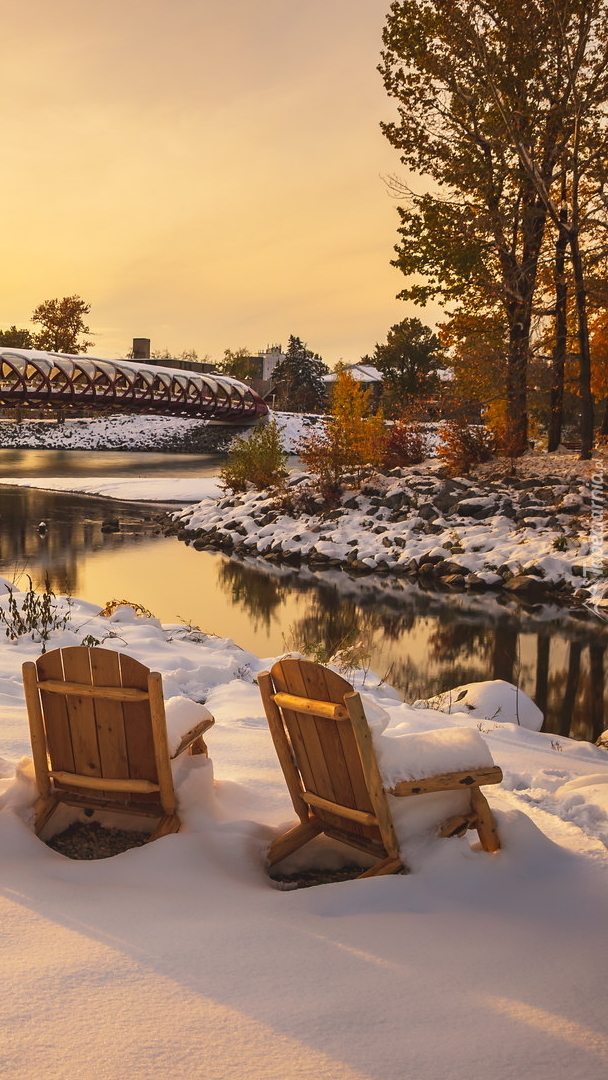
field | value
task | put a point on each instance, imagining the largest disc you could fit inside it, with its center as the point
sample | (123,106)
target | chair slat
(81,714)
(55,710)
(109,715)
(138,724)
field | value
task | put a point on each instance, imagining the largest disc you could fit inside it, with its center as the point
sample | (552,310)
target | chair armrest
(452,781)
(192,735)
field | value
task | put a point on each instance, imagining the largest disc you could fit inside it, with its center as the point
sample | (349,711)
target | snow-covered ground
(181,959)
(123,431)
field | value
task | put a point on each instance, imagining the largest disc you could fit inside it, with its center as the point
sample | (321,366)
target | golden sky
(205,173)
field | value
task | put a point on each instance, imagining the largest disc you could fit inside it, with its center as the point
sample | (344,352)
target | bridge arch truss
(51,379)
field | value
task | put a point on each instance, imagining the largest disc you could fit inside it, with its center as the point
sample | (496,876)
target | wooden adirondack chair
(99,735)
(325,749)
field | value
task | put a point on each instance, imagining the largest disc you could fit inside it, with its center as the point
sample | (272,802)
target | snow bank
(181,958)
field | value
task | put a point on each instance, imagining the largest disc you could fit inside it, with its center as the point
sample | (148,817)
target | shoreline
(527,537)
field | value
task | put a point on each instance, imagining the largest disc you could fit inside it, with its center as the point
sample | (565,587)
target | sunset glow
(205,173)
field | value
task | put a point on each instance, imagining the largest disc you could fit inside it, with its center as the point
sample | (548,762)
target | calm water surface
(423,641)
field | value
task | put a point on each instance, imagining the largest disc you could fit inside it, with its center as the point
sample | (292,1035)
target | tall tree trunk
(543,643)
(561,332)
(505,657)
(574,672)
(586,423)
(604,427)
(597,683)
(517,383)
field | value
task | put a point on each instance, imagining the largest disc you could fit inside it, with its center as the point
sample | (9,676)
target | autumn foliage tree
(62,324)
(16,337)
(239,364)
(352,439)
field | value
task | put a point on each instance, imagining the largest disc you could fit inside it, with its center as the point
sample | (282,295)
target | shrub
(463,445)
(37,615)
(258,460)
(405,445)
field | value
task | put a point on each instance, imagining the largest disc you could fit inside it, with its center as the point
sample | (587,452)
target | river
(422,641)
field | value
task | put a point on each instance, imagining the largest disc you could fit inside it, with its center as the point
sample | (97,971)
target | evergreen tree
(409,361)
(298,379)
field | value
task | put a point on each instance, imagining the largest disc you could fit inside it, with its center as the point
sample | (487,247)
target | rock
(397,500)
(455,581)
(445,503)
(426,569)
(536,571)
(477,507)
(110,525)
(427,512)
(534,511)
(524,585)
(472,581)
(449,567)
(602,741)
(507,509)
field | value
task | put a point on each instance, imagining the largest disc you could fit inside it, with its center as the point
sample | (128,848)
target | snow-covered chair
(99,735)
(325,748)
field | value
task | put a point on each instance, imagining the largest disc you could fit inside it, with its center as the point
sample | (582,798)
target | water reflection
(432,643)
(422,641)
(74,527)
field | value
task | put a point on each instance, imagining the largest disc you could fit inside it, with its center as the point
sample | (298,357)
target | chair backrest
(97,724)
(327,754)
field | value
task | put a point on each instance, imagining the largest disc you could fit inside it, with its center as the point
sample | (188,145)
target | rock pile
(412,522)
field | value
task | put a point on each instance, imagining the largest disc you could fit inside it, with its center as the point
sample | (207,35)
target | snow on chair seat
(327,753)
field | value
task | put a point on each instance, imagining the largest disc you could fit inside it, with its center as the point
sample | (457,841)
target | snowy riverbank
(180,956)
(173,434)
(529,534)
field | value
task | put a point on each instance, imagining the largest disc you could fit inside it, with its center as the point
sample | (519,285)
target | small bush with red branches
(405,445)
(462,445)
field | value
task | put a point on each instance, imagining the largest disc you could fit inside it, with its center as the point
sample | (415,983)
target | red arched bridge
(43,379)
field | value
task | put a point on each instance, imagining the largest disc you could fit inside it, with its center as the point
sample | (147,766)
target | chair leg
(170,823)
(485,823)
(457,825)
(199,746)
(386,866)
(43,810)
(292,840)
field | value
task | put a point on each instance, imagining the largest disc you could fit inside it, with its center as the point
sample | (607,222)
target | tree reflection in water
(424,643)
(258,594)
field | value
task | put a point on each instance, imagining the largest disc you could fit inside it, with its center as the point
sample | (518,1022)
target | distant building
(363,373)
(366,374)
